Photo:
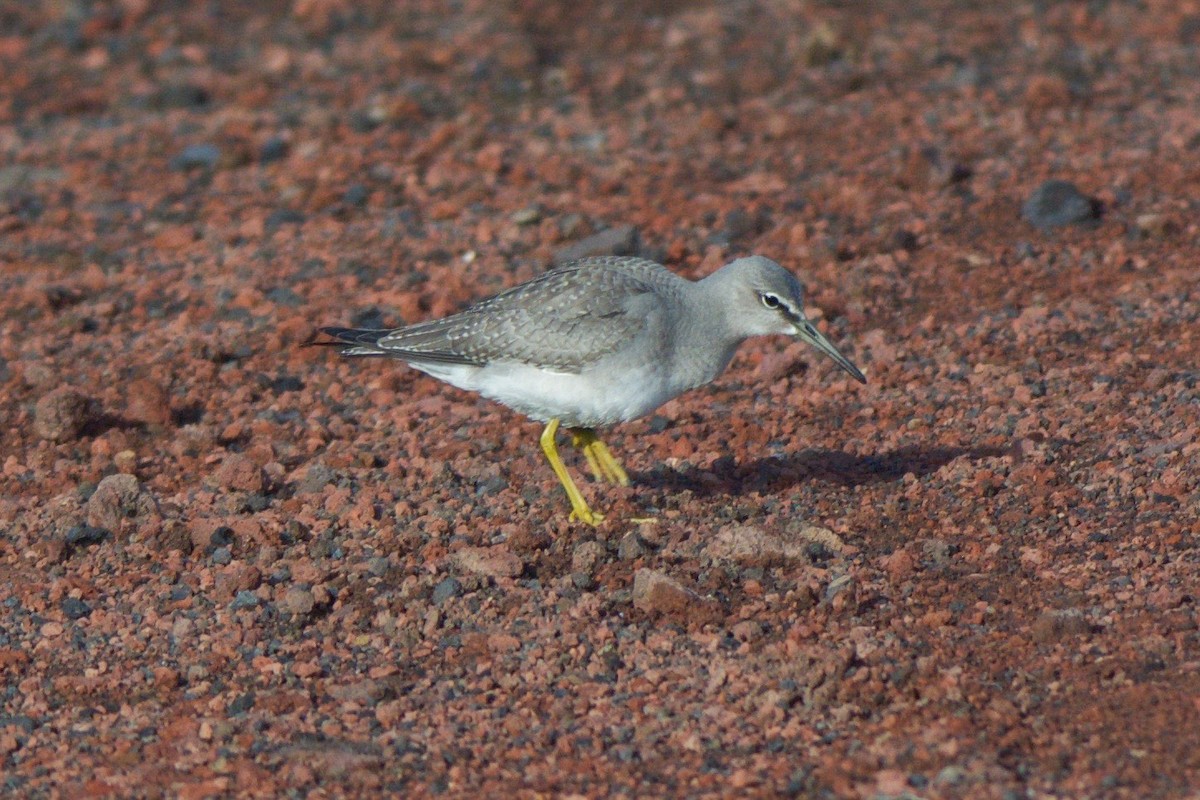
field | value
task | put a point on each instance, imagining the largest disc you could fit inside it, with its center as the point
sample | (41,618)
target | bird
(596,342)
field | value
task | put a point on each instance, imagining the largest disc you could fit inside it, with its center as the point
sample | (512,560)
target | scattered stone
(146,402)
(241,704)
(208,534)
(445,590)
(273,149)
(283,216)
(75,608)
(244,599)
(181,95)
(126,462)
(631,547)
(749,544)
(239,576)
(315,479)
(619,241)
(821,45)
(950,776)
(1057,203)
(528,216)
(355,195)
(748,630)
(899,565)
(658,592)
(366,692)
(166,678)
(494,562)
(221,556)
(195,156)
(84,535)
(1047,91)
(937,552)
(62,414)
(587,556)
(838,585)
(1053,626)
(570,225)
(298,601)
(239,473)
(1155,226)
(119,498)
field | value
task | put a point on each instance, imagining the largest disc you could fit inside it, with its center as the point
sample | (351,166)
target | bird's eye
(770,300)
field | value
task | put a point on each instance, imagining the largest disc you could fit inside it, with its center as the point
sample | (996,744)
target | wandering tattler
(599,341)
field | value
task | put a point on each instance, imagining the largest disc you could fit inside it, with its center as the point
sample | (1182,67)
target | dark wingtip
(347,339)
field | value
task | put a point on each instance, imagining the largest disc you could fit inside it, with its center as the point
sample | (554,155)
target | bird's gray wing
(563,320)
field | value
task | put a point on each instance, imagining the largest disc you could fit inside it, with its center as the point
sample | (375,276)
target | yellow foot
(585,514)
(579,507)
(605,466)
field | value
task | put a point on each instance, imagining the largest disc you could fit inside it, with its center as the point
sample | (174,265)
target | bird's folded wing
(563,320)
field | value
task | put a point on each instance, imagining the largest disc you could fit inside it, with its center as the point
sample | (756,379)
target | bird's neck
(708,343)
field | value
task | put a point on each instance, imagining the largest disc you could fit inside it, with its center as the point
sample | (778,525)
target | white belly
(580,400)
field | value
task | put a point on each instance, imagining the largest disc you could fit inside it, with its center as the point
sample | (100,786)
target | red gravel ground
(234,566)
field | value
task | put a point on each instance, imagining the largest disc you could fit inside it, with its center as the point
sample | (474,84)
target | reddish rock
(146,402)
(62,414)
(117,499)
(239,473)
(494,562)
(658,592)
(899,565)
(298,601)
(749,544)
(206,533)
(587,556)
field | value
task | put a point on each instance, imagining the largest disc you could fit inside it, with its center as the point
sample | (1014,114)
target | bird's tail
(354,341)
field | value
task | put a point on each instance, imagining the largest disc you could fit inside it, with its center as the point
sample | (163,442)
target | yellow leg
(579,506)
(603,463)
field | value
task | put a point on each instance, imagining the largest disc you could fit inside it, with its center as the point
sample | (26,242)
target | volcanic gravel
(231,565)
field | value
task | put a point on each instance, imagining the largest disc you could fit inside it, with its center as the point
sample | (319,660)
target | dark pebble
(221,538)
(83,535)
(491,486)
(75,609)
(181,96)
(196,156)
(283,216)
(316,478)
(222,556)
(273,149)
(241,704)
(355,195)
(630,547)
(445,590)
(1057,203)
(284,296)
(244,599)
(286,383)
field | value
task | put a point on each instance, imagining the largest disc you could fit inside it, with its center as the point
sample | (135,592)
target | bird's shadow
(727,477)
